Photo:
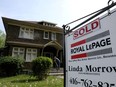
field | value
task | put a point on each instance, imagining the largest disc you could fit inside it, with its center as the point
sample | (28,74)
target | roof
(39,22)
(47,22)
(34,24)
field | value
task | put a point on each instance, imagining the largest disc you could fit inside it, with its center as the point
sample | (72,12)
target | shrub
(41,67)
(10,66)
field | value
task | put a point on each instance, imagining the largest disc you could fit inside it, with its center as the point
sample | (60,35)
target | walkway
(54,72)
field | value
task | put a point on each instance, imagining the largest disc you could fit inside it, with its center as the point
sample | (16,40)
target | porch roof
(54,44)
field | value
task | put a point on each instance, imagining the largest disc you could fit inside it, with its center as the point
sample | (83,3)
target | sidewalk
(54,72)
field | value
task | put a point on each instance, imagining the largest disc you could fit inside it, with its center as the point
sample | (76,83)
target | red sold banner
(94,25)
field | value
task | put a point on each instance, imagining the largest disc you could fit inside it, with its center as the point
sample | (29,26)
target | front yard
(28,81)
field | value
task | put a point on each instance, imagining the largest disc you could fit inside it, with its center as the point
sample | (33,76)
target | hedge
(41,67)
(10,66)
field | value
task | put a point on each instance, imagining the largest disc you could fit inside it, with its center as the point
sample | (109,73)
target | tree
(2,38)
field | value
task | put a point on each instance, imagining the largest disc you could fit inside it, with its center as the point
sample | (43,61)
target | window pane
(46,35)
(53,36)
(34,56)
(21,49)
(15,53)
(18,52)
(31,54)
(31,30)
(28,57)
(26,33)
(34,50)
(15,49)
(23,28)
(21,33)
(29,50)
(21,54)
(31,35)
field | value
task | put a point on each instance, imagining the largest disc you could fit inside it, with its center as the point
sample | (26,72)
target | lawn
(28,81)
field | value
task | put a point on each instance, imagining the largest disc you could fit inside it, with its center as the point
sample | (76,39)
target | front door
(48,54)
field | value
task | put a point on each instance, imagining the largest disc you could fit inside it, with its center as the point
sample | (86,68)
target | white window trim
(45,35)
(52,36)
(18,51)
(30,33)
(31,52)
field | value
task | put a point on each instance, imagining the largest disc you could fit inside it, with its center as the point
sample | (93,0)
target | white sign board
(91,54)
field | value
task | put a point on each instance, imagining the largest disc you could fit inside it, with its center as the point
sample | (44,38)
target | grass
(27,81)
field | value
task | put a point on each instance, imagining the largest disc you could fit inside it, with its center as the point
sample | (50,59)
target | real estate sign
(91,54)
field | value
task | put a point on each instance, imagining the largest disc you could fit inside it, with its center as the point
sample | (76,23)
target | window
(46,35)
(30,54)
(26,33)
(53,36)
(18,52)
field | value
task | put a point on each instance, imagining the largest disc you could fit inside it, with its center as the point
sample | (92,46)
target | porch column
(42,51)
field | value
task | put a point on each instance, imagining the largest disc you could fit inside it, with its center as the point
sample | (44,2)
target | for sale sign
(91,54)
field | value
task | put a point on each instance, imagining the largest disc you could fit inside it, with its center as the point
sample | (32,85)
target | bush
(41,67)
(10,66)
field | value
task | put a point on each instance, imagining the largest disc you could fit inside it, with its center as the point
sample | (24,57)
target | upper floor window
(18,51)
(46,35)
(53,36)
(26,33)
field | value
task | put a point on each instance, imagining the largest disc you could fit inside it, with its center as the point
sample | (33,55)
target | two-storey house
(30,39)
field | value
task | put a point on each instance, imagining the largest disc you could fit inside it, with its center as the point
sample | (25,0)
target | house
(30,39)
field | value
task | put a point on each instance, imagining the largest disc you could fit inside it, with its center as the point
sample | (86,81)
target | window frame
(31,52)
(18,51)
(45,35)
(53,36)
(27,33)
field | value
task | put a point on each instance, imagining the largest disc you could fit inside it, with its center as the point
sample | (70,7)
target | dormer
(45,23)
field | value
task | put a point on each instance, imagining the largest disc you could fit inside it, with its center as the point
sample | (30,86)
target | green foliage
(10,66)
(2,39)
(41,67)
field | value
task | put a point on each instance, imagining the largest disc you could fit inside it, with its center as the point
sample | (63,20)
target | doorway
(48,54)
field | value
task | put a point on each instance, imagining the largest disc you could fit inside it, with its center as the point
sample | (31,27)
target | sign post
(91,53)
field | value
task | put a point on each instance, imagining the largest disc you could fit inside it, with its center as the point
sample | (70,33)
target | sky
(55,11)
